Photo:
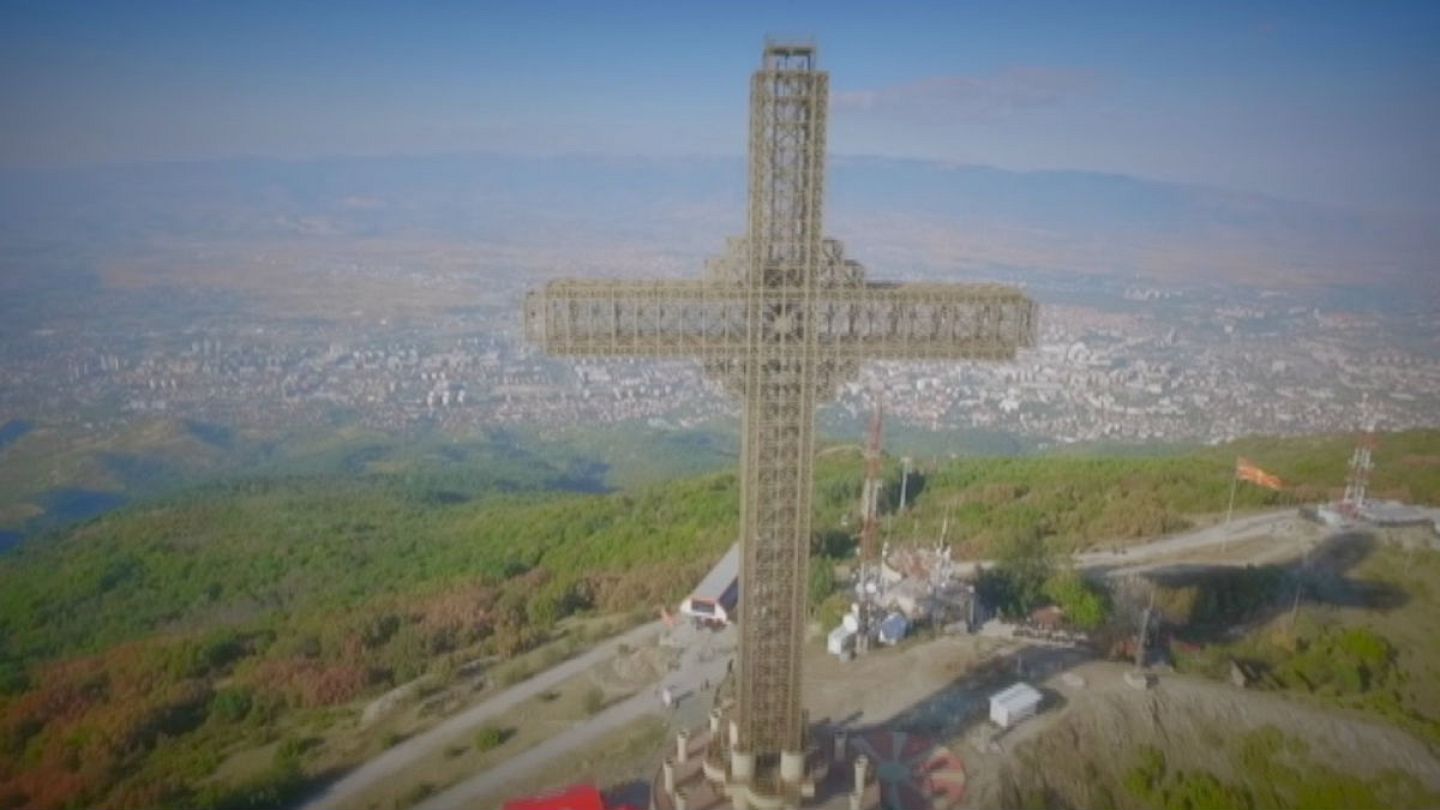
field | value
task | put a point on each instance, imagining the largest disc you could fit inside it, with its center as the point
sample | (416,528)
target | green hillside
(52,476)
(141,649)
(1076,502)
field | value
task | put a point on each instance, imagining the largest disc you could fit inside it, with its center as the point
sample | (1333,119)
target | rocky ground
(1078,753)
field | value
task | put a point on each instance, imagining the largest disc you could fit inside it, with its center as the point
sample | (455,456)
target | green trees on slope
(135,649)
(1272,771)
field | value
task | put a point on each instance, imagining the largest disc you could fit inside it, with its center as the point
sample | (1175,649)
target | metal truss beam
(699,319)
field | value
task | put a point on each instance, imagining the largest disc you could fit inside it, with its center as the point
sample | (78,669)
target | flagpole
(1230,510)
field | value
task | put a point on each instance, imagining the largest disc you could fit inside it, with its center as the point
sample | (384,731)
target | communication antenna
(869,580)
(1357,481)
(1144,632)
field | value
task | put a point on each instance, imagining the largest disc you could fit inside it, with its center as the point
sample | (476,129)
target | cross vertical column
(787,153)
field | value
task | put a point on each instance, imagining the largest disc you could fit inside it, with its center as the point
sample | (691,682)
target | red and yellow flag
(1246,471)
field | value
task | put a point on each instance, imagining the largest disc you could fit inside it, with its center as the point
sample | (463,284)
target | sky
(1332,103)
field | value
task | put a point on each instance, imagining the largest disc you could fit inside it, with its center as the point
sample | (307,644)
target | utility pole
(869,577)
(1144,632)
(1230,510)
(904,481)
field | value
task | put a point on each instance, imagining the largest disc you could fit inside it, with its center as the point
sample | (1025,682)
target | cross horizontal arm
(924,322)
(699,319)
(690,319)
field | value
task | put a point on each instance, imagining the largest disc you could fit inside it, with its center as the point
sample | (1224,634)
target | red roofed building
(579,797)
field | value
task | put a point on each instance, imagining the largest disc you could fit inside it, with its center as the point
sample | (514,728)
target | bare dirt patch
(1078,756)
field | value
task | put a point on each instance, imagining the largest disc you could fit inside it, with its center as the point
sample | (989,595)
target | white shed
(716,596)
(1010,706)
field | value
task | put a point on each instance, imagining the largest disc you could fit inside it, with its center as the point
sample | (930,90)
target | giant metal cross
(781,320)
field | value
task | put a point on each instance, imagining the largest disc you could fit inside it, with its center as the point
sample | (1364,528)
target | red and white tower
(869,581)
(1357,481)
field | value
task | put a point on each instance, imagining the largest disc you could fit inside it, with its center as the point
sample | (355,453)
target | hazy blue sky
(1329,102)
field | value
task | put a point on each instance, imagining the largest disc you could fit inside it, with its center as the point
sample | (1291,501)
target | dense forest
(140,649)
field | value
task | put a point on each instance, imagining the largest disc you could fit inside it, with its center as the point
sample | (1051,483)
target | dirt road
(355,784)
(469,793)
(694,670)
(1217,535)
(1091,740)
(704,658)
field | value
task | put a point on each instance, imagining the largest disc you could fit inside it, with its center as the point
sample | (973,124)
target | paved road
(1216,535)
(704,658)
(466,795)
(695,668)
(405,754)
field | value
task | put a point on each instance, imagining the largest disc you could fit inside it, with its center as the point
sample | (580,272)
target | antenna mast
(869,580)
(1357,481)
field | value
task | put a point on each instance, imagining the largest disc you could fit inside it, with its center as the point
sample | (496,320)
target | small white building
(715,598)
(1011,705)
(841,641)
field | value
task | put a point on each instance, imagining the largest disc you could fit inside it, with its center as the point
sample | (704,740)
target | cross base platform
(703,773)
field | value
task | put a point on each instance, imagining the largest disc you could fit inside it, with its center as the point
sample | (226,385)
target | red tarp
(580,797)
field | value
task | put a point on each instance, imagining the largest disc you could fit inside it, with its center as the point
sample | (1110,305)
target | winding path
(1218,535)
(703,660)
(466,793)
(405,754)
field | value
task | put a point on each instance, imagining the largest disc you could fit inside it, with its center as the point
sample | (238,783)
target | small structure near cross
(1013,704)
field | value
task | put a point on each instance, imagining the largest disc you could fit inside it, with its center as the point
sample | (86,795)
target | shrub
(13,678)
(513,674)
(415,795)
(1017,582)
(289,753)
(594,700)
(822,581)
(1145,778)
(832,611)
(1352,661)
(489,737)
(1085,605)
(230,705)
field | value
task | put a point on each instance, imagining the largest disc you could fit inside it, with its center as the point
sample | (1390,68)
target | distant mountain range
(907,217)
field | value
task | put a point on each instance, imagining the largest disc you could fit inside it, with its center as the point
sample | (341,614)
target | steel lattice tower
(781,320)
